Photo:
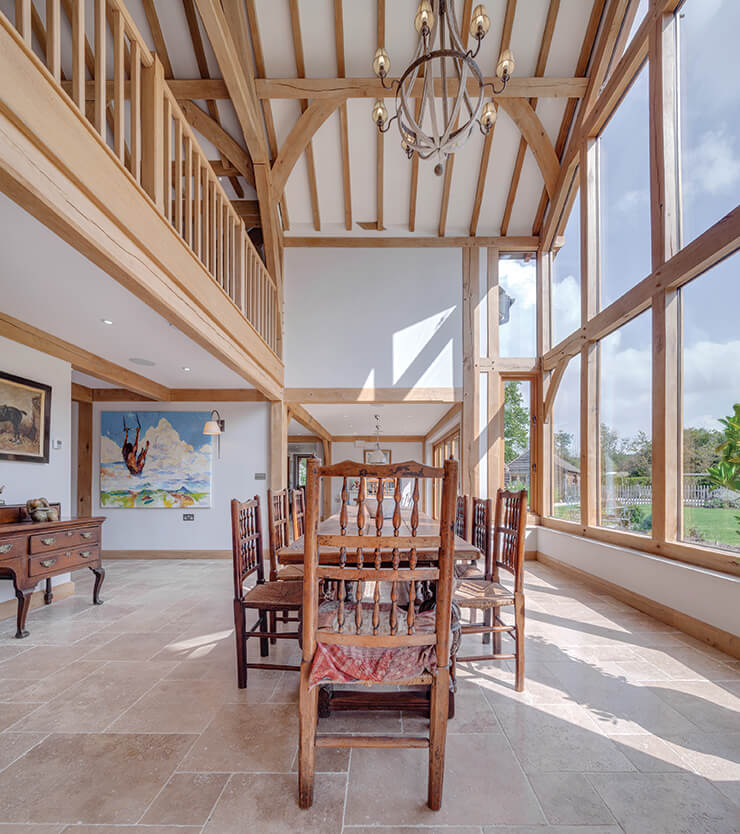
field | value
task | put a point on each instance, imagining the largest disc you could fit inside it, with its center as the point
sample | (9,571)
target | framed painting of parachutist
(25,417)
(155,459)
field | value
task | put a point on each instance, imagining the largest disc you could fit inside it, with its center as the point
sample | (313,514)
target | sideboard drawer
(63,560)
(64,539)
(83,556)
(46,565)
(12,547)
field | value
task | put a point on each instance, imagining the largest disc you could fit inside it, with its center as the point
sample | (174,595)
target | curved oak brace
(552,390)
(524,117)
(297,142)
(200,120)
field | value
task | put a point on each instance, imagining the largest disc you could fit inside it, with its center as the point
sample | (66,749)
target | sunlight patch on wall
(412,342)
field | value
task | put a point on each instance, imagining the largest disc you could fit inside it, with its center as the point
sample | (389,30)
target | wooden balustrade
(139,119)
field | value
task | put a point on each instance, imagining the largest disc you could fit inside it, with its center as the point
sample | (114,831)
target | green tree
(726,472)
(516,422)
(700,449)
(563,443)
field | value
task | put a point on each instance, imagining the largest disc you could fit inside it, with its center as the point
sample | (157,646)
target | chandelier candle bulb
(424,20)
(381,63)
(488,116)
(380,113)
(505,67)
(480,24)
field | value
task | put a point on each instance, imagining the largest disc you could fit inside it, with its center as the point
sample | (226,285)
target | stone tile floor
(126,718)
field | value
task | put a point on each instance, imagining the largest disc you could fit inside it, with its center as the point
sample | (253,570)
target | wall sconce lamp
(215,426)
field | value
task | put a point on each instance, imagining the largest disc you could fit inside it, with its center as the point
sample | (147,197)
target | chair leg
(308,703)
(264,642)
(496,620)
(241,645)
(273,627)
(519,622)
(487,621)
(438,711)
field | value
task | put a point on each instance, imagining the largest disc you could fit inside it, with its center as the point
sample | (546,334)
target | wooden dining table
(411,699)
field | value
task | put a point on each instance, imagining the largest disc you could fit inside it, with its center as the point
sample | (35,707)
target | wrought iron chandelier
(440,55)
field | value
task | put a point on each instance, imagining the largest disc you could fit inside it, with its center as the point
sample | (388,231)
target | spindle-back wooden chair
(279,529)
(487,593)
(264,597)
(461,516)
(410,633)
(299,512)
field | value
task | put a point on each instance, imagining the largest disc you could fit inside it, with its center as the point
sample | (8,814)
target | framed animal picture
(25,419)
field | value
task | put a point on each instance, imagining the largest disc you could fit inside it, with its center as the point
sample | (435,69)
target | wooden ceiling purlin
(587,47)
(259,72)
(300,63)
(504,43)
(552,14)
(343,119)
(191,16)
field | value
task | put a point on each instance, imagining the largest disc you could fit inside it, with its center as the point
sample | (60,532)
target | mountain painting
(155,459)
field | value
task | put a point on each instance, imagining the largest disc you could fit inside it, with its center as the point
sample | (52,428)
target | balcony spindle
(136,110)
(100,83)
(54,39)
(78,53)
(119,124)
(23,20)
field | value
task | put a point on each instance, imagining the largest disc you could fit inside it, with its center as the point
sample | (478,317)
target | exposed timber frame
(672,267)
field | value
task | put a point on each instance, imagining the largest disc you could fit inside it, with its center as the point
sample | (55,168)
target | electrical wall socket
(188,516)
(260,476)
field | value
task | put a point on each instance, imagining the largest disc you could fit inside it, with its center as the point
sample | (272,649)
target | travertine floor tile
(472,796)
(15,745)
(249,738)
(664,803)
(187,799)
(250,802)
(569,799)
(94,778)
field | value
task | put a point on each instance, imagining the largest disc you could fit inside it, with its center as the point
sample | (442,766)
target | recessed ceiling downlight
(137,360)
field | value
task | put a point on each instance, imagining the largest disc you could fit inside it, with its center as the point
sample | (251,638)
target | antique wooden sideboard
(33,551)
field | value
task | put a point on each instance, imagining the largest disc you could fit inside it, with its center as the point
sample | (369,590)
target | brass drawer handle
(86,554)
(49,540)
(5,548)
(47,563)
(87,535)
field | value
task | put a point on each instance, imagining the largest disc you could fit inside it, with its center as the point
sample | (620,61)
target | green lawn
(714,526)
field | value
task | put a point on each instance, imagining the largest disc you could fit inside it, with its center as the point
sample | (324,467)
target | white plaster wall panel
(570,28)
(354,337)
(327,151)
(504,148)
(527,197)
(704,594)
(245,446)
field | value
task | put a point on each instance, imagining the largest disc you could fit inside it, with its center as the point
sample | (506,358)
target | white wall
(373,317)
(400,452)
(704,594)
(244,452)
(32,480)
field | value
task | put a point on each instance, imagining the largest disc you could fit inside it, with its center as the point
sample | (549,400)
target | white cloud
(168,452)
(566,306)
(711,166)
(630,200)
(109,451)
(519,280)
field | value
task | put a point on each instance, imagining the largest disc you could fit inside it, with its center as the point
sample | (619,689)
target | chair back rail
(509,533)
(299,512)
(378,552)
(481,524)
(246,533)
(461,516)
(278,523)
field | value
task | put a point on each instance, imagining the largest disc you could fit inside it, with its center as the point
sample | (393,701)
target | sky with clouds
(710,187)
